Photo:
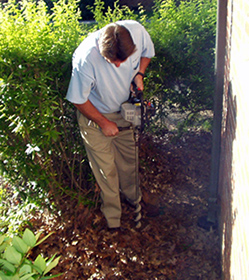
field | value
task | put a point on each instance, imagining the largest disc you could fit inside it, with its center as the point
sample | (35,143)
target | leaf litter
(174,177)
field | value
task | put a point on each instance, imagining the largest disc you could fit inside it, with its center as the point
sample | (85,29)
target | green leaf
(15,277)
(25,269)
(20,245)
(29,238)
(3,246)
(37,269)
(7,265)
(27,277)
(40,263)
(2,237)
(12,255)
(44,238)
(5,277)
(5,242)
(38,235)
(52,265)
(51,277)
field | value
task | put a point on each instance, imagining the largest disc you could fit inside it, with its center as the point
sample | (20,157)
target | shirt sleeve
(81,83)
(148,49)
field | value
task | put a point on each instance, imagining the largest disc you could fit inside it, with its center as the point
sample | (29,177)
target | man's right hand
(109,129)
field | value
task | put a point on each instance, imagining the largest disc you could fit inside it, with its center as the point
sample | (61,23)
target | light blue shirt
(101,82)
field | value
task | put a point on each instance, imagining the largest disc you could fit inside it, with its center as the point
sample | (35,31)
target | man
(104,65)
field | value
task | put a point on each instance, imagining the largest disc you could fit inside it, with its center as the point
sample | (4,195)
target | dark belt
(124,128)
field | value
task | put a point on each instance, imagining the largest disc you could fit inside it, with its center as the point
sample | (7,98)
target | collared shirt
(101,82)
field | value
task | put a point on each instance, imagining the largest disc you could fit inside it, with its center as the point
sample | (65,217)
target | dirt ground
(174,174)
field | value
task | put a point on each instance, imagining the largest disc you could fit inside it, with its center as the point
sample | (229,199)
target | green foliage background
(182,74)
(39,147)
(41,151)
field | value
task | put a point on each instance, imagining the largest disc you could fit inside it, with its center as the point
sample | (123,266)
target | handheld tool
(133,111)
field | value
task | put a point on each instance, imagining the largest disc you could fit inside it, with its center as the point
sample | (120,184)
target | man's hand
(139,82)
(108,128)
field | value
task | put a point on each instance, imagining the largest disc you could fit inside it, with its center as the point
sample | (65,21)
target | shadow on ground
(174,175)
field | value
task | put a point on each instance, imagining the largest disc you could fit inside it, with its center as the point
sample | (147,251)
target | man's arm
(144,62)
(108,128)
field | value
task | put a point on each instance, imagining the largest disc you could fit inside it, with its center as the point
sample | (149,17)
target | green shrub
(14,258)
(41,150)
(103,17)
(86,13)
(182,74)
(40,147)
(14,212)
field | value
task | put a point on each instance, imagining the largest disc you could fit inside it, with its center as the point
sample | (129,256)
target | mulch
(174,175)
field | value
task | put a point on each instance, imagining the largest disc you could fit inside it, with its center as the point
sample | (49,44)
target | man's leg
(124,146)
(126,165)
(100,153)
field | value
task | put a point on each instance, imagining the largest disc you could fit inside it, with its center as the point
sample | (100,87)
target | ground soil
(174,174)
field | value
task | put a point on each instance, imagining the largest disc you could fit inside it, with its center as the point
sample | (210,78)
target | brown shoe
(118,230)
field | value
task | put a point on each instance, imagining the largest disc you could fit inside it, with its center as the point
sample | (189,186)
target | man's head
(115,43)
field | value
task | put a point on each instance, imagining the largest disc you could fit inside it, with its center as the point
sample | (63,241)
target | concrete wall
(234,164)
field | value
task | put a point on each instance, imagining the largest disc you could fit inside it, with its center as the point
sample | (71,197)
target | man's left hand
(139,82)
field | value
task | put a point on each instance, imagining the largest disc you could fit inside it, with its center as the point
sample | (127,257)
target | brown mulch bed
(174,175)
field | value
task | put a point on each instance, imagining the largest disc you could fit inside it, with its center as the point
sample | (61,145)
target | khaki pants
(112,160)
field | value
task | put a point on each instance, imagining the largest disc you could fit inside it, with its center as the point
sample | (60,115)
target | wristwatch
(140,73)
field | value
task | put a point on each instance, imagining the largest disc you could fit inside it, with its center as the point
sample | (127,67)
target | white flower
(30,149)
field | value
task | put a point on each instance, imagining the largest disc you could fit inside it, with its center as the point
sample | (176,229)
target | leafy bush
(40,146)
(182,74)
(84,6)
(14,212)
(103,17)
(15,262)
(41,150)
